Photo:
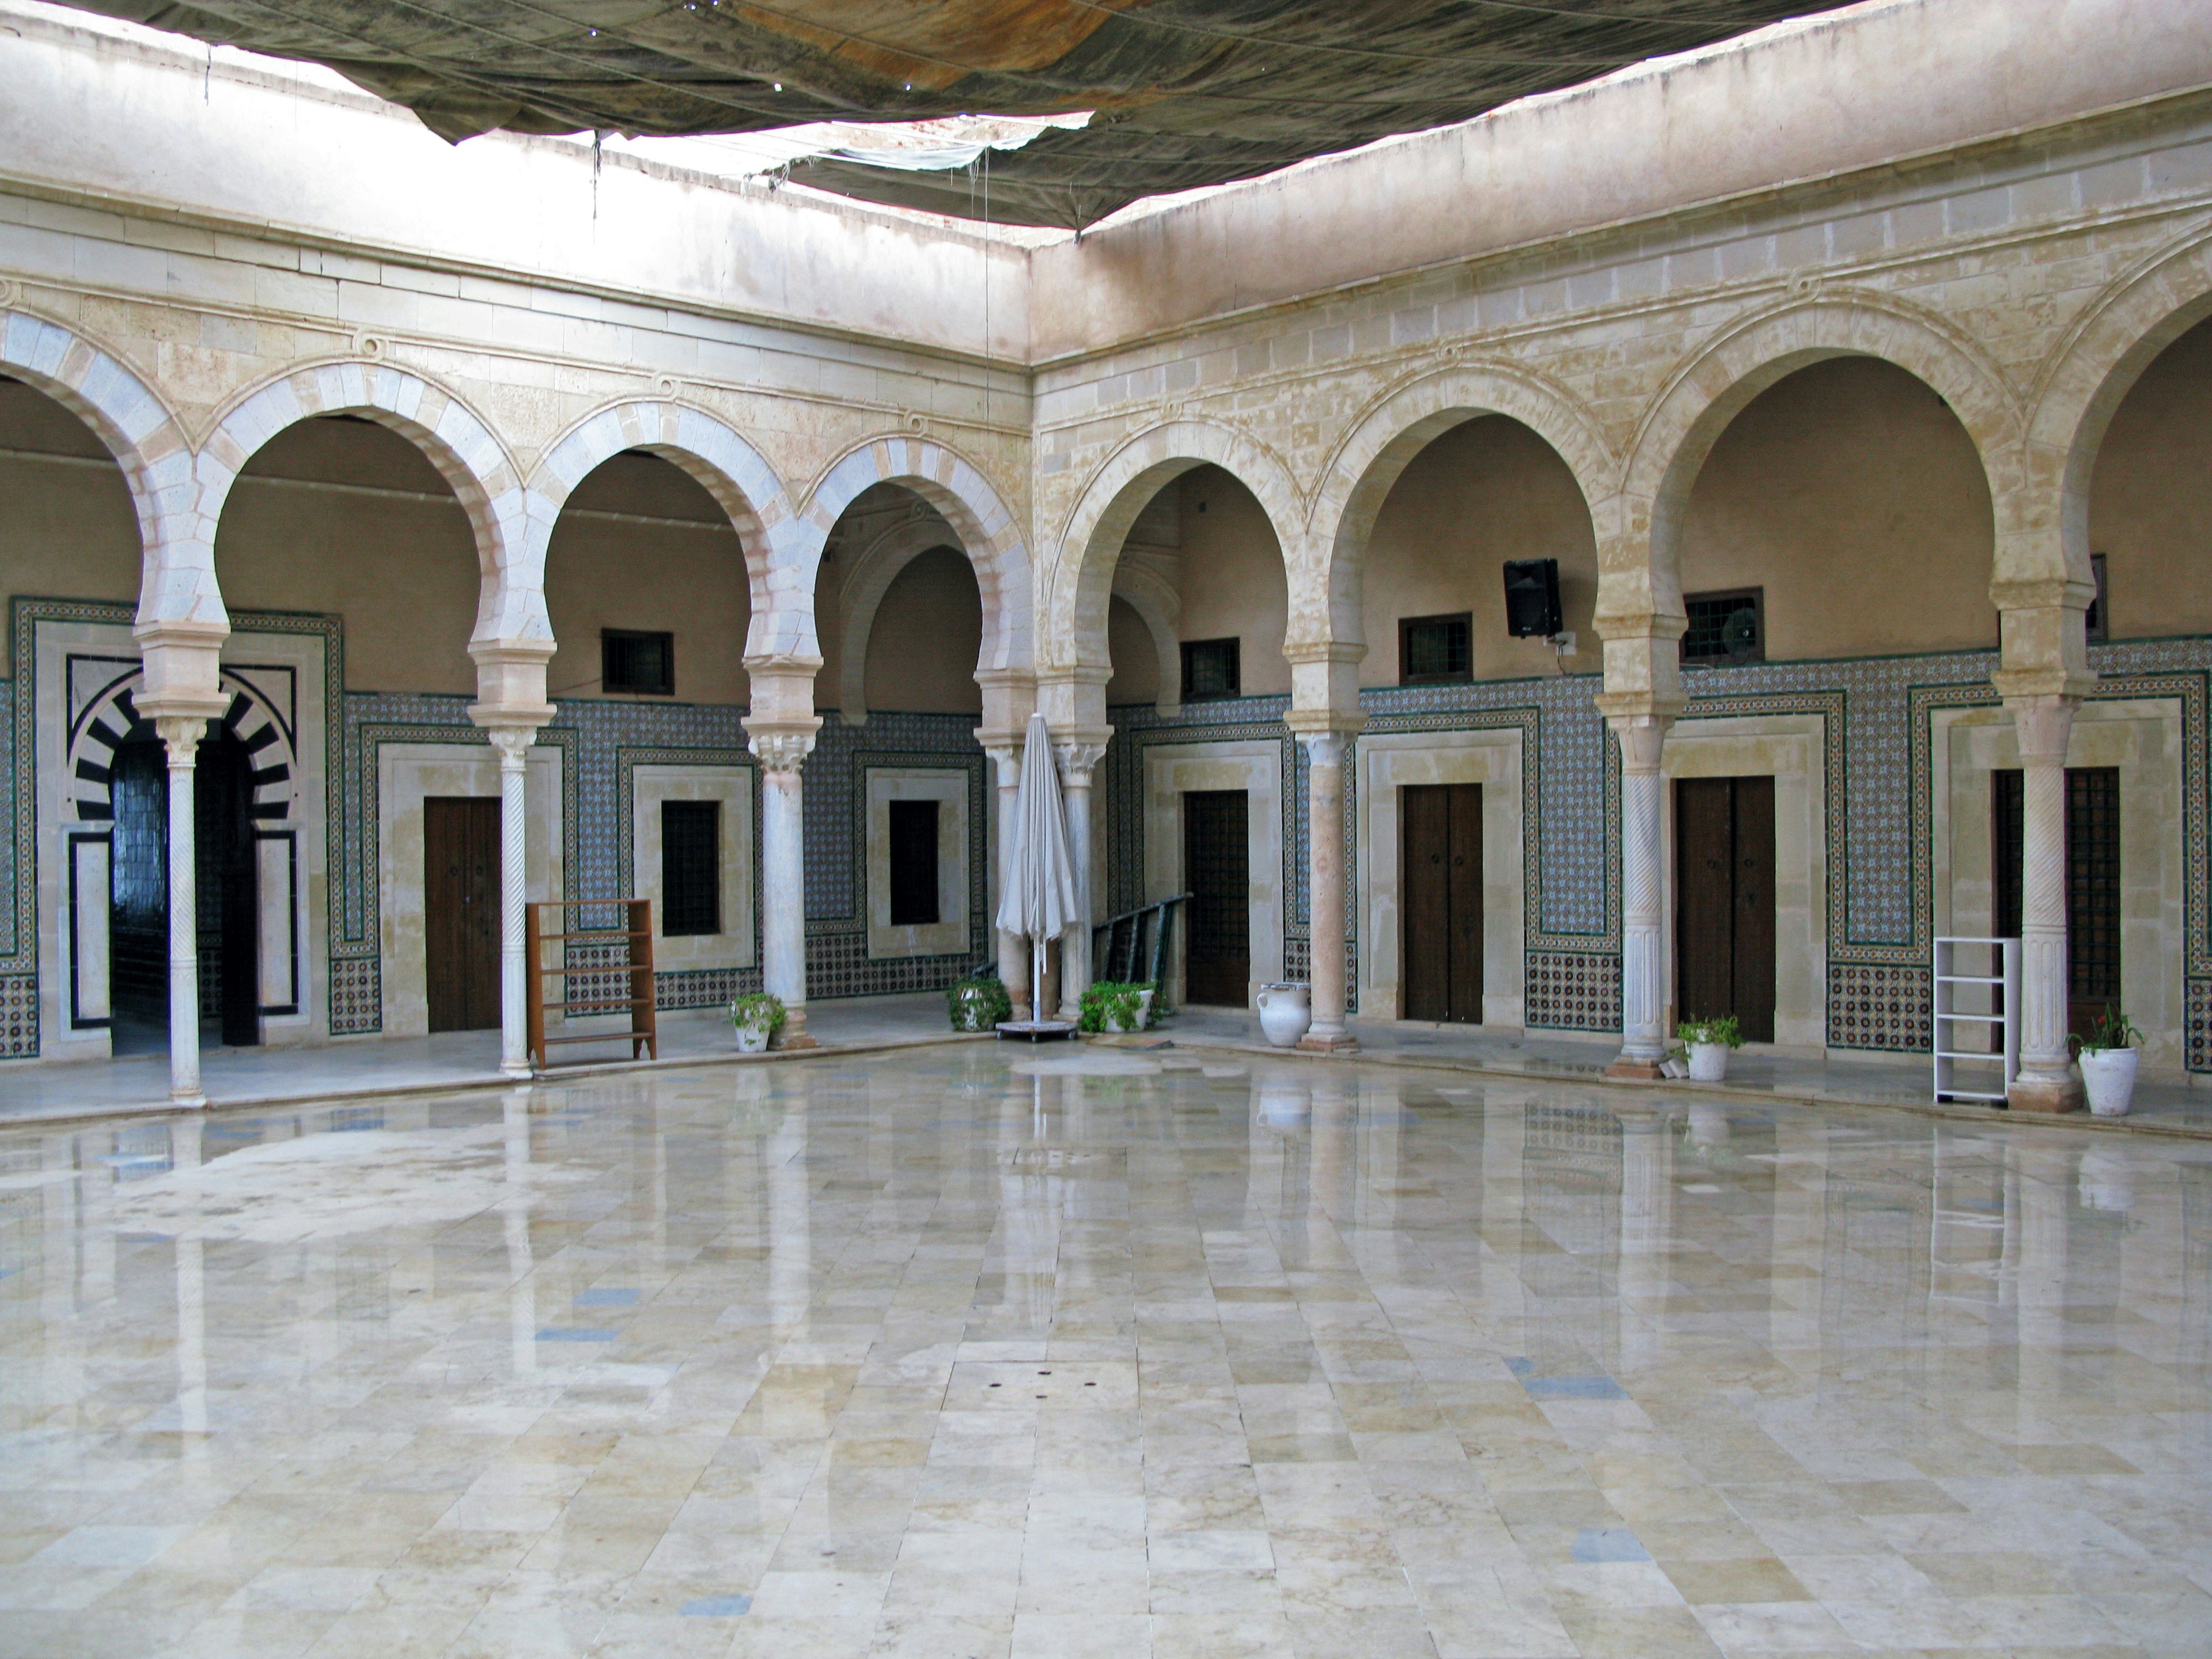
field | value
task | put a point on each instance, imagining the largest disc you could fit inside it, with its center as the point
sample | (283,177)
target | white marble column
(1325,893)
(1642,895)
(783,878)
(1014,948)
(512,743)
(182,735)
(2047,1081)
(1078,758)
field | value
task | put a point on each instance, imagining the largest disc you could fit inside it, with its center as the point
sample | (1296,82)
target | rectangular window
(637,663)
(2092,880)
(1432,650)
(1725,627)
(1209,668)
(2097,623)
(914,863)
(690,868)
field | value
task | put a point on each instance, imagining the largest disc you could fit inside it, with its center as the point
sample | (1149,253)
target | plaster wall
(1136,659)
(1232,576)
(2151,505)
(1852,495)
(928,631)
(67,530)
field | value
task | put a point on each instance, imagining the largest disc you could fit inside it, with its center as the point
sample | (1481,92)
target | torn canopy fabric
(1186,93)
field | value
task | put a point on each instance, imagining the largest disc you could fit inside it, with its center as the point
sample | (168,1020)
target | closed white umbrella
(1040,895)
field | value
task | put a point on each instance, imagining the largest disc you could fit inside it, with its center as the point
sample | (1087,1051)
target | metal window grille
(1432,649)
(1725,627)
(1210,668)
(914,863)
(2093,884)
(637,663)
(690,868)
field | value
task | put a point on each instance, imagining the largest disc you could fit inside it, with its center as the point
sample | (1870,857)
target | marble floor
(969,1352)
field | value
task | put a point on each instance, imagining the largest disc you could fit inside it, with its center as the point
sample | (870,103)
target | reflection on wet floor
(962,1350)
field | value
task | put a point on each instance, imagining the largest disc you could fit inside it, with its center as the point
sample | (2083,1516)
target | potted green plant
(978,1003)
(1110,1005)
(757,1016)
(1709,1041)
(2109,1060)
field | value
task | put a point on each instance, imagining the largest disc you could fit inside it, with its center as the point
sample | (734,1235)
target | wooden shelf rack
(1995,1027)
(558,923)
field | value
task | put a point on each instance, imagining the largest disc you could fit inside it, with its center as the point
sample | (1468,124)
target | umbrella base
(1037,1031)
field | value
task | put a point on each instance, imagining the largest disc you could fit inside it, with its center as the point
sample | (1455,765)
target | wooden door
(2093,883)
(227,875)
(460,911)
(1725,902)
(1441,900)
(1217,871)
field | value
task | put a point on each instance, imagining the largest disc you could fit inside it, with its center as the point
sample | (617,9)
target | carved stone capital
(1324,748)
(783,752)
(2041,725)
(1643,737)
(1077,758)
(512,743)
(182,733)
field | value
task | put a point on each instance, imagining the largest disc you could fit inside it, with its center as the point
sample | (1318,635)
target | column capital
(2041,725)
(183,734)
(783,746)
(512,743)
(1642,727)
(1079,754)
(1324,747)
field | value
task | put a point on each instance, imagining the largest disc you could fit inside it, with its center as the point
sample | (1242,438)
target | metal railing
(1136,939)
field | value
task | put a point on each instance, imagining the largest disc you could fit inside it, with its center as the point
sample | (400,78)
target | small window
(1209,668)
(638,665)
(690,868)
(2096,622)
(1431,649)
(1726,627)
(914,863)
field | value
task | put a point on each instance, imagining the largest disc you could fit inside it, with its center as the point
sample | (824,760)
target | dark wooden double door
(1724,903)
(460,911)
(227,882)
(1440,895)
(1217,872)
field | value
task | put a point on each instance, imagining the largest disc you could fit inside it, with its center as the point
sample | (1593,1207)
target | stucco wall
(1136,659)
(66,531)
(1854,497)
(1482,493)
(921,653)
(2150,503)
(1232,576)
(620,573)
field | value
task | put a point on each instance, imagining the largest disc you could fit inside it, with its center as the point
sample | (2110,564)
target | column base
(2046,1095)
(1328,1042)
(517,1073)
(1635,1070)
(192,1102)
(794,1037)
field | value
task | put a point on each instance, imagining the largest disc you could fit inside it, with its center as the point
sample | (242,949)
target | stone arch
(704,446)
(110,719)
(1382,441)
(988,532)
(142,433)
(2083,384)
(1639,563)
(1091,542)
(510,609)
(870,579)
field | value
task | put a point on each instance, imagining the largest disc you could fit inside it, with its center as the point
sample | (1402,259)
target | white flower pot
(2109,1075)
(751,1039)
(1143,1010)
(1708,1062)
(1285,1012)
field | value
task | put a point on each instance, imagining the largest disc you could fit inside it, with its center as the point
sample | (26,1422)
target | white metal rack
(1998,1022)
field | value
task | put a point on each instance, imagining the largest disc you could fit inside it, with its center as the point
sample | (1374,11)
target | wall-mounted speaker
(1532,598)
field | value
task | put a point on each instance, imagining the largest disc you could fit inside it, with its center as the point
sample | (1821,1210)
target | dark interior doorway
(2092,882)
(1724,903)
(227,875)
(460,911)
(1217,871)
(1441,893)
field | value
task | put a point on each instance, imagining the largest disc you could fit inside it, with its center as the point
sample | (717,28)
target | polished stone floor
(967,1350)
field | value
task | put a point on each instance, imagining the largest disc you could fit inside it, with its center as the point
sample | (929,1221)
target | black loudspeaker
(1531,597)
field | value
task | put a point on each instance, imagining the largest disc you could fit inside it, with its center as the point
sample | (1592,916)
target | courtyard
(974,1350)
